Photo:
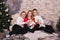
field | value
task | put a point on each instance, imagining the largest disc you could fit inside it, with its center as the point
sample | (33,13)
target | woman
(31,21)
(18,28)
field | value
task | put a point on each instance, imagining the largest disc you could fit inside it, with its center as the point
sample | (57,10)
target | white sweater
(20,21)
(39,18)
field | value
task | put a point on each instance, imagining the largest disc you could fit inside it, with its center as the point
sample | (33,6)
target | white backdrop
(49,9)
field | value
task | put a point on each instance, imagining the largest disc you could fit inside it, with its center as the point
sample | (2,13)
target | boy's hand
(37,22)
(42,25)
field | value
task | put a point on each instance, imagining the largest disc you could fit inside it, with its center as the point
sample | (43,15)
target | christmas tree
(58,24)
(5,18)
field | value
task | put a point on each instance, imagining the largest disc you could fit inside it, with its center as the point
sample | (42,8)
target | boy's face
(34,12)
(23,15)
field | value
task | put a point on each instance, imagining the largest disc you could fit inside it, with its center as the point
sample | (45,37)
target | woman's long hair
(28,13)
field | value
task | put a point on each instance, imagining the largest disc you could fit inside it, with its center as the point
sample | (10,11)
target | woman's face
(23,15)
(34,13)
(30,14)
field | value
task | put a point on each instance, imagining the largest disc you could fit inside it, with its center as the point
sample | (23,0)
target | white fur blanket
(37,34)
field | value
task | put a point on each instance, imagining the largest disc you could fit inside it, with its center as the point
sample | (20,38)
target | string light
(6,10)
(3,25)
(8,20)
(0,13)
(6,14)
(3,2)
(1,8)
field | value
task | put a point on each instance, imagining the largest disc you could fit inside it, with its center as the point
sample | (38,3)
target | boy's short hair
(22,12)
(34,9)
